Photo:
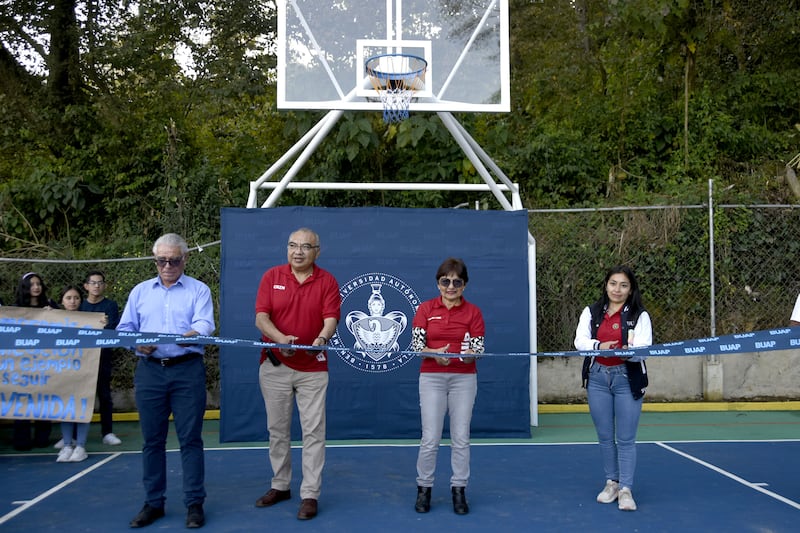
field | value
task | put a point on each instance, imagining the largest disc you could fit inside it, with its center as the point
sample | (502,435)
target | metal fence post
(713,305)
(712,367)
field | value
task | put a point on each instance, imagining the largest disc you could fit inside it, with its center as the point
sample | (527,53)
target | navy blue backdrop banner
(392,256)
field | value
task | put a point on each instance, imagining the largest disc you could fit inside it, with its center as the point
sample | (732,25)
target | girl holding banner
(32,292)
(73,434)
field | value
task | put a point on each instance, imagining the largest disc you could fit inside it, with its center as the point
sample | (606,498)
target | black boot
(423,504)
(459,501)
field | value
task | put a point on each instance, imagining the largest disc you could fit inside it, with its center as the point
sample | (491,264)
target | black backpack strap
(587,364)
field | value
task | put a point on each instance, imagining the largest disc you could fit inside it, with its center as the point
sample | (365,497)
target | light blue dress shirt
(154,308)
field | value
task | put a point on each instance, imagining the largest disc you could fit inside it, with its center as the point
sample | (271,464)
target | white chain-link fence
(755,273)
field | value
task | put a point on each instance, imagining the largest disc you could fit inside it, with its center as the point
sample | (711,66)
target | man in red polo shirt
(297,303)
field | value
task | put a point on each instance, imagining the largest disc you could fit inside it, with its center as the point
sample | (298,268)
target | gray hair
(309,231)
(171,239)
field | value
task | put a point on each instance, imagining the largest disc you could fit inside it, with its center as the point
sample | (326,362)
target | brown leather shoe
(147,516)
(308,509)
(195,517)
(272,497)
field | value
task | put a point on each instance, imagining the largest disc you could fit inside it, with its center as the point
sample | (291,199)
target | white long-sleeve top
(642,333)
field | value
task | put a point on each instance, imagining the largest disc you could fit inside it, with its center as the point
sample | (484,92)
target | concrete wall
(752,376)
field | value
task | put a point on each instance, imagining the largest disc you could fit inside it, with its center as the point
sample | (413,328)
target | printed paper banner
(41,382)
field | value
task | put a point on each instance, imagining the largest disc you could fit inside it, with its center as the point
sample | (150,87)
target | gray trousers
(441,393)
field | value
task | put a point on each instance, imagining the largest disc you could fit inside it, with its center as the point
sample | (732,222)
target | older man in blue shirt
(170,378)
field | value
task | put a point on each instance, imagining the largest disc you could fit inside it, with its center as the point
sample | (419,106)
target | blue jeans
(179,390)
(616,418)
(74,433)
(439,393)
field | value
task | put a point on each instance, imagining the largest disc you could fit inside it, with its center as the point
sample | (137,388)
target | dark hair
(93,273)
(22,296)
(68,288)
(634,300)
(453,265)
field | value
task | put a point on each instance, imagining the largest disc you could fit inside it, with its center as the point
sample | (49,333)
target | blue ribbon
(17,336)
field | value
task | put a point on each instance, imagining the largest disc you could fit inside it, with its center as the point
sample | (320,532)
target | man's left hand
(191,333)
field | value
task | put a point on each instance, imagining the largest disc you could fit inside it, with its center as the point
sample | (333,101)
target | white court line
(446,442)
(754,486)
(42,496)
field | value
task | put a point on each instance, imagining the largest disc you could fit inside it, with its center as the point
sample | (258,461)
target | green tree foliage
(121,120)
(130,146)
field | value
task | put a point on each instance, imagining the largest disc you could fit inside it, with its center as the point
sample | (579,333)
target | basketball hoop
(396,77)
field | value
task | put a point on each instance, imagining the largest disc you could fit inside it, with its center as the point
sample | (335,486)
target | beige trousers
(281,387)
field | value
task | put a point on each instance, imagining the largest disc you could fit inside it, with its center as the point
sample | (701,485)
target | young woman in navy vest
(615,386)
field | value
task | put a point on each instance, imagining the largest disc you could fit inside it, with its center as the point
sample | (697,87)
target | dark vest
(637,371)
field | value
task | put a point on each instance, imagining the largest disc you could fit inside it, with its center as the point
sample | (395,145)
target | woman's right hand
(443,361)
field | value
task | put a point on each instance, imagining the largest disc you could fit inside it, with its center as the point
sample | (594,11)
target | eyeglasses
(172,261)
(457,283)
(96,283)
(292,246)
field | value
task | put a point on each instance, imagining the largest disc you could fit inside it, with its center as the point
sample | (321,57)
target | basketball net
(396,77)
(396,103)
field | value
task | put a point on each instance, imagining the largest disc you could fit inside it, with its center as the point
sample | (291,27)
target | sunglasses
(457,283)
(173,261)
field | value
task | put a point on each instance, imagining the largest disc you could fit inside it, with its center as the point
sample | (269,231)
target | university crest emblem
(370,336)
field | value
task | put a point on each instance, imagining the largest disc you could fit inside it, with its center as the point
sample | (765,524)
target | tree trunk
(64,79)
(687,89)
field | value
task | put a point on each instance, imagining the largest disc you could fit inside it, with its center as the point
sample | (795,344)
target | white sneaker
(65,454)
(626,502)
(59,445)
(609,493)
(111,440)
(78,455)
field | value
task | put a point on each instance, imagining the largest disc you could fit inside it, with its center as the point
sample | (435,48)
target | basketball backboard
(323,46)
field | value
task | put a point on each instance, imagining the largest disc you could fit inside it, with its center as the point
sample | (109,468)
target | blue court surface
(687,486)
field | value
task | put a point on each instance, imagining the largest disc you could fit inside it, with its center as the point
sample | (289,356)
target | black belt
(272,357)
(169,361)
